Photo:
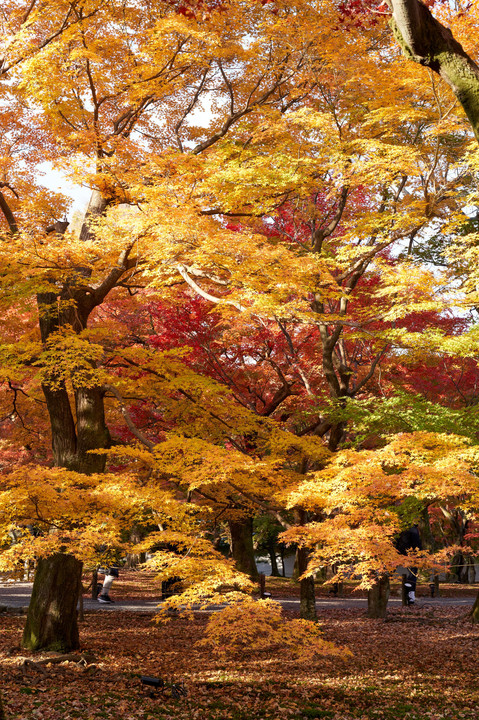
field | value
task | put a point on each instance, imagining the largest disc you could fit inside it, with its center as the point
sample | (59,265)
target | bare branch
(131,425)
(221,301)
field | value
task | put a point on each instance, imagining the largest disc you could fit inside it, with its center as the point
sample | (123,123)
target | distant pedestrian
(409,540)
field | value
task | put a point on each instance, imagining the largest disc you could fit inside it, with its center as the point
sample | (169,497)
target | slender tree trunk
(475,611)
(94,585)
(134,559)
(274,562)
(283,570)
(81,607)
(306,587)
(242,546)
(52,619)
(378,597)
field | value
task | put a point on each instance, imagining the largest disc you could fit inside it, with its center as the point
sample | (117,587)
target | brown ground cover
(419,664)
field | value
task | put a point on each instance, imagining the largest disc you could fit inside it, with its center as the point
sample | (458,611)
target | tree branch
(131,425)
(424,40)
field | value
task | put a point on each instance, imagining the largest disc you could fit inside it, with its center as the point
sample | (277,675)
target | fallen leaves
(420,664)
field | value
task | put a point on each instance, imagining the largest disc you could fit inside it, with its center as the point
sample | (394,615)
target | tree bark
(92,430)
(378,596)
(274,562)
(94,585)
(307,596)
(75,432)
(475,611)
(242,546)
(78,426)
(52,616)
(427,42)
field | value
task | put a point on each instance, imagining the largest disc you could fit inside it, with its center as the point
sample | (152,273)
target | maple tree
(325,175)
(99,108)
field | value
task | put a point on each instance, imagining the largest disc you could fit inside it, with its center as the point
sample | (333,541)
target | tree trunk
(427,42)
(92,431)
(242,547)
(51,620)
(274,562)
(306,587)
(52,614)
(378,597)
(62,424)
(2,711)
(475,611)
(94,585)
(81,606)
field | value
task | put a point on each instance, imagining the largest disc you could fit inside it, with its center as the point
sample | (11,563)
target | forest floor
(420,664)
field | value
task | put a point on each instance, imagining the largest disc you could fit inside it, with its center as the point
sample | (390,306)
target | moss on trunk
(424,40)
(52,615)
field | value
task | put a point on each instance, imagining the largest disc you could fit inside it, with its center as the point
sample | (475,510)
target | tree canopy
(270,302)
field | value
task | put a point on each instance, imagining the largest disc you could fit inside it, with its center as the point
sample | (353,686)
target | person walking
(409,540)
(111,574)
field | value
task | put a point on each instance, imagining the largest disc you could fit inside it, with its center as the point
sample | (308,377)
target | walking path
(17,595)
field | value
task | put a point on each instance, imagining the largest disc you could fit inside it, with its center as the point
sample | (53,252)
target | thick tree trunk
(62,424)
(426,41)
(51,618)
(307,596)
(52,614)
(92,431)
(378,597)
(242,546)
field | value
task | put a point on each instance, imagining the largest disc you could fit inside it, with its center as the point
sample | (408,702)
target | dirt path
(17,595)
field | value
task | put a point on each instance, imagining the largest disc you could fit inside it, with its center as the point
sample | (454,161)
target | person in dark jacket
(409,540)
